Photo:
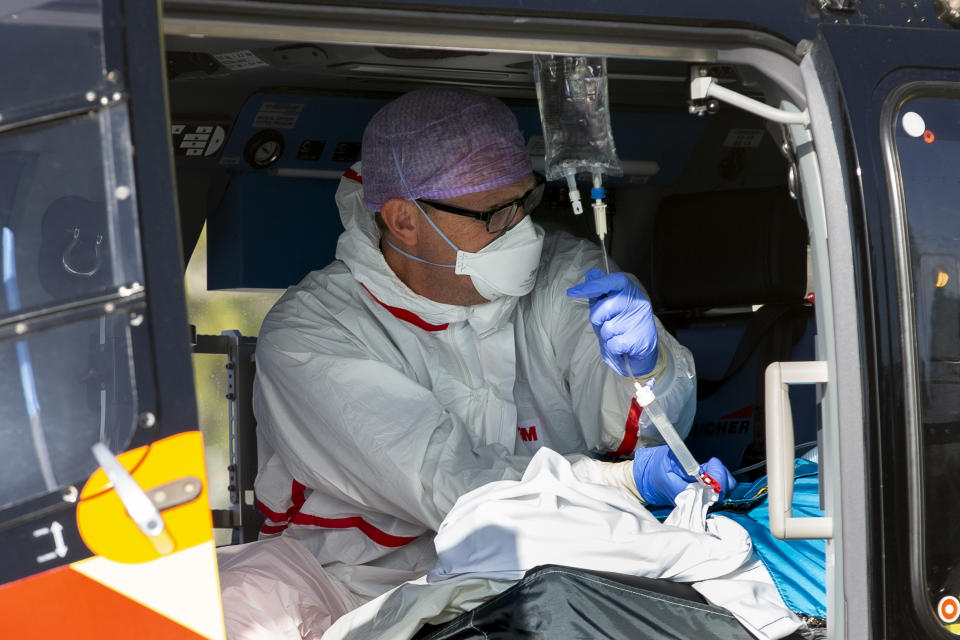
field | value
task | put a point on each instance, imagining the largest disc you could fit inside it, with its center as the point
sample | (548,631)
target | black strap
(761,322)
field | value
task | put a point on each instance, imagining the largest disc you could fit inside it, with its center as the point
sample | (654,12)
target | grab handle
(780,450)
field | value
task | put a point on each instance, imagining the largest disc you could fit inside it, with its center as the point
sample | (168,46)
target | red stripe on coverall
(293,516)
(379,536)
(297,497)
(350,174)
(631,429)
(408,316)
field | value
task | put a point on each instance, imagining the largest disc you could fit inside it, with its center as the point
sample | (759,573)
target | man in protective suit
(449,341)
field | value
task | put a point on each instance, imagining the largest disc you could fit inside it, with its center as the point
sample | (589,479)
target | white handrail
(779,428)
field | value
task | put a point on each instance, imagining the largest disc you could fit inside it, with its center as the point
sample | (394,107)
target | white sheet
(494,534)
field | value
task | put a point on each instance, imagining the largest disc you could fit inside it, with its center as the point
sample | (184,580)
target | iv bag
(575,112)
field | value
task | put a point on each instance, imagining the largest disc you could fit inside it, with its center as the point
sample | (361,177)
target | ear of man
(402,219)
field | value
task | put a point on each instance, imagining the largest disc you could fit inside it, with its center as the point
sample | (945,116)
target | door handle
(780,452)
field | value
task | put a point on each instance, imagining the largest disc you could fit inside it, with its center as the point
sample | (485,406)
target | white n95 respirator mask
(505,267)
(508,265)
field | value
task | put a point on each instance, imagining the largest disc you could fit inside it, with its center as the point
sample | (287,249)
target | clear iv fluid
(574,110)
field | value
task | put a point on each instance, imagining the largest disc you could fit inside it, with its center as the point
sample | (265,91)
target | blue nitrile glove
(660,477)
(622,318)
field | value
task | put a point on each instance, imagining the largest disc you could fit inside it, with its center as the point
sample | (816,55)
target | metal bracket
(948,11)
(243,516)
(175,493)
(703,88)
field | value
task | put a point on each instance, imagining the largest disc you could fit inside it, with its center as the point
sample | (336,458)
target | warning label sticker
(238,60)
(278,115)
(744,138)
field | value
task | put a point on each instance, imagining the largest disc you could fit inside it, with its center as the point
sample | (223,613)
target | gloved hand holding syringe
(644,390)
(651,408)
(623,320)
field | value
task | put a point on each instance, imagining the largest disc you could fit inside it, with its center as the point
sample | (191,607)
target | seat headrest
(727,249)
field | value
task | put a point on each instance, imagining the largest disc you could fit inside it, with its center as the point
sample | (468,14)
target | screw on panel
(147,420)
(230,397)
(70,494)
(20,328)
(122,192)
(90,96)
(136,319)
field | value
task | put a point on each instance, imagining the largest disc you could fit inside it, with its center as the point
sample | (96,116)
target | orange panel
(104,524)
(61,603)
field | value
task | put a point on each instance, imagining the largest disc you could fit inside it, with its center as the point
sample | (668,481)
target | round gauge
(263,149)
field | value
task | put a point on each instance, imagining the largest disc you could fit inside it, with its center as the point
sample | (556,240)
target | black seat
(728,279)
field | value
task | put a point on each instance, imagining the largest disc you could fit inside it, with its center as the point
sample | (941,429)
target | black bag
(563,603)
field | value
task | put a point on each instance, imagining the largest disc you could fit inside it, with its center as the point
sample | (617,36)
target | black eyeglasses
(500,218)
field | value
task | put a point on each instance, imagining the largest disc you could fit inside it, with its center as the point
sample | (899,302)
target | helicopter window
(71,270)
(69,74)
(927,143)
(69,228)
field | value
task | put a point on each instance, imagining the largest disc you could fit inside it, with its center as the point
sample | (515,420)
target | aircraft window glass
(928,145)
(69,227)
(62,391)
(57,57)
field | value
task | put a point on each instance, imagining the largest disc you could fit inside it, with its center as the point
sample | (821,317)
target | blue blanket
(798,567)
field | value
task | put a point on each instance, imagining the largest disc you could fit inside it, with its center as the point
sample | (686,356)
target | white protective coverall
(377,408)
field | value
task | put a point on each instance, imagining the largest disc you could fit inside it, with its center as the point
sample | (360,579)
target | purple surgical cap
(446,141)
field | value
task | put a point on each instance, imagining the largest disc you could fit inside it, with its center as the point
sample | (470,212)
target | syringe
(647,400)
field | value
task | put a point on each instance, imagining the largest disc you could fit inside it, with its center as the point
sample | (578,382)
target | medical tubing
(606,260)
(27,379)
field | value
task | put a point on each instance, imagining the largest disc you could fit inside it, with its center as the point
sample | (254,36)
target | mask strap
(413,257)
(403,180)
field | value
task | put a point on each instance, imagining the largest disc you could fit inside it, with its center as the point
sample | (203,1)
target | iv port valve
(600,216)
(597,194)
